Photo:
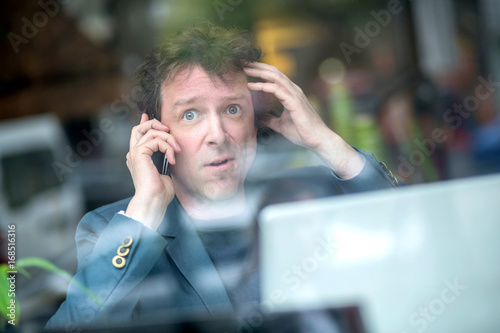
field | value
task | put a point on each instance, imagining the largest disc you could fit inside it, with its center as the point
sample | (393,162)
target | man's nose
(216,132)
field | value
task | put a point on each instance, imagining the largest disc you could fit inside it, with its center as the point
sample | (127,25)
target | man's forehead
(196,75)
(183,100)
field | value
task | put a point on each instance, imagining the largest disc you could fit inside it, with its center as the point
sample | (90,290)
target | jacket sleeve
(374,176)
(102,280)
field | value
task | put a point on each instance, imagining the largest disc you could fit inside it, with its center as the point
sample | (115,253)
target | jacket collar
(189,255)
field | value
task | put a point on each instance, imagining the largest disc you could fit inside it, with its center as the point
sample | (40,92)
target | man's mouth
(218,163)
(221,163)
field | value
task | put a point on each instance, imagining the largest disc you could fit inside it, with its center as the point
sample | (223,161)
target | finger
(140,130)
(154,145)
(134,137)
(282,89)
(261,65)
(160,135)
(168,150)
(272,73)
(151,124)
(268,87)
(269,73)
(171,141)
(280,93)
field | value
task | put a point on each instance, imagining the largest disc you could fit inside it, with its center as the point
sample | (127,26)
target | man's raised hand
(301,124)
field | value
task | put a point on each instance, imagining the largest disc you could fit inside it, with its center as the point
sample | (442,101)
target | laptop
(420,258)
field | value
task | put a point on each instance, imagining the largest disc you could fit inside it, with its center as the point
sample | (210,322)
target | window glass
(26,174)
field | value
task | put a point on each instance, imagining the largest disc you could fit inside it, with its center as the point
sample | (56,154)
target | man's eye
(190,115)
(233,109)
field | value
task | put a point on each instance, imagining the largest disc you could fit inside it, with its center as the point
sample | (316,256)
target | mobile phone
(161,162)
(159,159)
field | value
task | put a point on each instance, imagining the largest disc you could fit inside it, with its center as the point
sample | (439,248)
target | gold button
(127,241)
(119,261)
(389,173)
(122,251)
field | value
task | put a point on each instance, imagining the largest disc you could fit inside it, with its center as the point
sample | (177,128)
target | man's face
(213,123)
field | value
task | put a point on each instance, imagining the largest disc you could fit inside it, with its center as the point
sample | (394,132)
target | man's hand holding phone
(153,191)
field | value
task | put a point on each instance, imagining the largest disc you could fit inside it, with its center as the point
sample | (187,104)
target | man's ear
(266,104)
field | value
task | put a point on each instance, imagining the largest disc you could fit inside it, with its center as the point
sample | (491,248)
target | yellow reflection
(279,37)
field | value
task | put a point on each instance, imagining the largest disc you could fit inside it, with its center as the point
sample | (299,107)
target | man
(160,251)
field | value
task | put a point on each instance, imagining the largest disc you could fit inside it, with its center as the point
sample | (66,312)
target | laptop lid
(420,258)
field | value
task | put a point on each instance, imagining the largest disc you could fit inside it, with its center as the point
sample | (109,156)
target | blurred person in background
(185,243)
(406,105)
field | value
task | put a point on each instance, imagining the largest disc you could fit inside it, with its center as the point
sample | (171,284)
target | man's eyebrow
(184,101)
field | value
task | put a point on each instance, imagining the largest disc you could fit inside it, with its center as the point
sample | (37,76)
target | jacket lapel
(192,260)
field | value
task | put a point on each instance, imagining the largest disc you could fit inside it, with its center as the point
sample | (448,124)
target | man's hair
(217,50)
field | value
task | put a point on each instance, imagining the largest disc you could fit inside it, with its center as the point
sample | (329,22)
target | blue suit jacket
(166,271)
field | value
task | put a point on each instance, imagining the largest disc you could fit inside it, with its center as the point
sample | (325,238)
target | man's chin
(222,192)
